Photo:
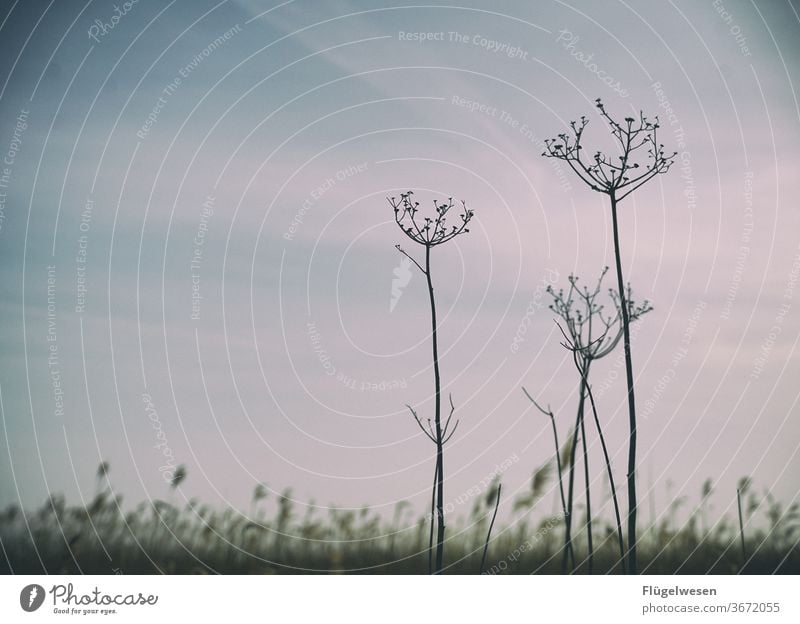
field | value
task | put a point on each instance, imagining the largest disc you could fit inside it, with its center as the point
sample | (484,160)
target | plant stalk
(631,475)
(610,479)
(491,526)
(590,542)
(432,516)
(741,525)
(569,552)
(437,421)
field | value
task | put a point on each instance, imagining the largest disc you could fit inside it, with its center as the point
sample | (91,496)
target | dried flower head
(614,175)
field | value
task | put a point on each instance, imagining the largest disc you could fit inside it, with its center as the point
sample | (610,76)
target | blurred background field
(278,536)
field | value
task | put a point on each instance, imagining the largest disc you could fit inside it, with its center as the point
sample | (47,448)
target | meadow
(275,537)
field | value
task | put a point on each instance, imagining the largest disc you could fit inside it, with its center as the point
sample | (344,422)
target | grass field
(159,537)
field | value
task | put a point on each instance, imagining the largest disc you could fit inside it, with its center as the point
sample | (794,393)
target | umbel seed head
(429,230)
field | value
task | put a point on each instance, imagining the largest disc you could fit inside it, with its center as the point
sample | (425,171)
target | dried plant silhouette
(568,554)
(564,509)
(429,232)
(590,334)
(617,177)
(158,537)
(744,484)
(496,493)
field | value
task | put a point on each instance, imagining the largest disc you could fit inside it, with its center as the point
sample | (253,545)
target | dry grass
(102,538)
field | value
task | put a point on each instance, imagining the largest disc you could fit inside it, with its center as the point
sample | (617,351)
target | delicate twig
(449,417)
(414,414)
(549,413)
(450,435)
(410,257)
(741,525)
(491,525)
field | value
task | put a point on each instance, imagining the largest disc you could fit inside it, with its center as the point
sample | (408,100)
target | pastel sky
(269,162)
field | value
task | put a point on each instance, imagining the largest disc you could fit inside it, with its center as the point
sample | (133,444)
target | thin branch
(446,428)
(548,412)
(452,409)
(402,251)
(447,438)
(422,428)
(491,526)
(741,525)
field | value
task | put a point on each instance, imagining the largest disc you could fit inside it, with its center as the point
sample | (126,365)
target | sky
(199,264)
